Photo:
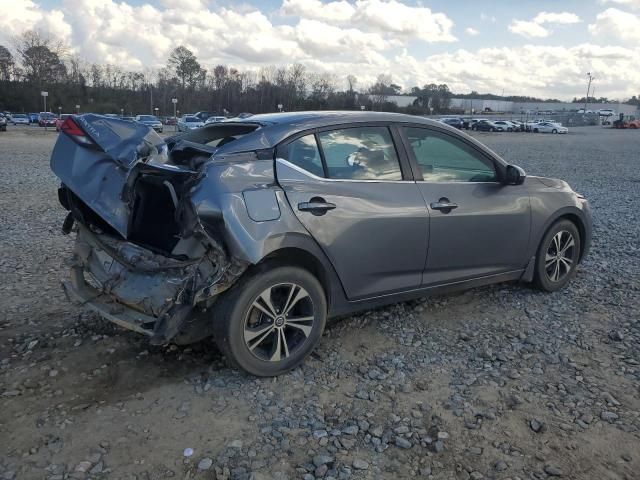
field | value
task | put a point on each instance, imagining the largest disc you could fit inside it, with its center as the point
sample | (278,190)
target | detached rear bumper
(142,291)
(79,291)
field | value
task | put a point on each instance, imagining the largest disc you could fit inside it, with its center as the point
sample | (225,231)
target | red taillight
(72,129)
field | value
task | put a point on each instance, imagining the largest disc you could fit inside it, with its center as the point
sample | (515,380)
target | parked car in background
(504,125)
(60,120)
(169,120)
(129,119)
(150,121)
(3,123)
(548,127)
(189,122)
(518,125)
(215,119)
(452,121)
(8,116)
(20,119)
(606,112)
(486,126)
(46,119)
(240,230)
(204,115)
(33,117)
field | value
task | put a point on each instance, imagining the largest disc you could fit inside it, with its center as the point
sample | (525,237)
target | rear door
(478,225)
(354,193)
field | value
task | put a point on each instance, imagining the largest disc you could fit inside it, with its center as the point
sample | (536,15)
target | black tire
(543,275)
(236,308)
(554,131)
(492,129)
(535,130)
(473,128)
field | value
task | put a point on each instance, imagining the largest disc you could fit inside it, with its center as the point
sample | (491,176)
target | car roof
(276,127)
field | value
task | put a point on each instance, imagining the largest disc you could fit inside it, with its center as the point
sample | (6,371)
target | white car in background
(606,112)
(215,119)
(549,127)
(505,125)
(20,119)
(189,122)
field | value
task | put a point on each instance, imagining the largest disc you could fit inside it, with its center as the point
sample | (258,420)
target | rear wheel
(535,130)
(557,257)
(271,320)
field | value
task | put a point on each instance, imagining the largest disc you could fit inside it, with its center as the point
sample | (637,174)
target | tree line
(36,63)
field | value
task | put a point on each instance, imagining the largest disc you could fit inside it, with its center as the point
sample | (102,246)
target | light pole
(59,111)
(78,109)
(175,118)
(121,112)
(586,100)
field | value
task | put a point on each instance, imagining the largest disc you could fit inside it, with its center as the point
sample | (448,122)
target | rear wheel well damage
(297,257)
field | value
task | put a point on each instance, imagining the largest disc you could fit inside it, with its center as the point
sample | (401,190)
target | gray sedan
(256,231)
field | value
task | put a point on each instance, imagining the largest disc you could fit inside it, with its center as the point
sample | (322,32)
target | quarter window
(443,158)
(304,153)
(360,153)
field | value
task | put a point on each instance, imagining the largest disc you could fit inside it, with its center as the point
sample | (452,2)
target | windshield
(148,118)
(191,119)
(19,115)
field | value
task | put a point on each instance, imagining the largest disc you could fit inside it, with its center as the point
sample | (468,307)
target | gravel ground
(502,382)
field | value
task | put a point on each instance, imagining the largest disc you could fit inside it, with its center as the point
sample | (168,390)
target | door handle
(316,206)
(444,205)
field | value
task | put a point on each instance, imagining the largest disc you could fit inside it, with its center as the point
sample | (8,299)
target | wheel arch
(301,251)
(575,216)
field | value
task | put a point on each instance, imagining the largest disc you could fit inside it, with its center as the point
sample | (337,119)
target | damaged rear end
(150,253)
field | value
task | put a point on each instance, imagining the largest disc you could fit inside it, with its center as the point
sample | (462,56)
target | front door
(478,225)
(348,188)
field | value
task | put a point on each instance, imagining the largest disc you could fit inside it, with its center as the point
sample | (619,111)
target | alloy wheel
(560,256)
(279,322)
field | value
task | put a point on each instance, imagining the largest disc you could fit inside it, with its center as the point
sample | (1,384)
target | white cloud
(535,28)
(528,29)
(616,24)
(559,18)
(341,38)
(337,11)
(384,16)
(471,31)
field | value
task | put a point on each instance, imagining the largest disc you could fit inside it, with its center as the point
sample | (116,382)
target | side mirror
(515,175)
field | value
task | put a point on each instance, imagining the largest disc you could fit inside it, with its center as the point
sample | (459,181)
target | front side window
(360,153)
(443,158)
(304,153)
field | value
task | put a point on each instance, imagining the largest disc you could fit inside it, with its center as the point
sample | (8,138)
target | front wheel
(554,131)
(492,129)
(557,256)
(270,321)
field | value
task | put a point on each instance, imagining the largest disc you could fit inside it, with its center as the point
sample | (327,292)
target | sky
(539,48)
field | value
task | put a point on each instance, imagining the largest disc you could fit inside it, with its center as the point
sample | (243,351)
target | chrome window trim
(322,179)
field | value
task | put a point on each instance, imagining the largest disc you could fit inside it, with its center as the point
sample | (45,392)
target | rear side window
(304,153)
(443,158)
(360,153)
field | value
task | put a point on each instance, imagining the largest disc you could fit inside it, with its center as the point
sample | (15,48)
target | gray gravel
(502,382)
